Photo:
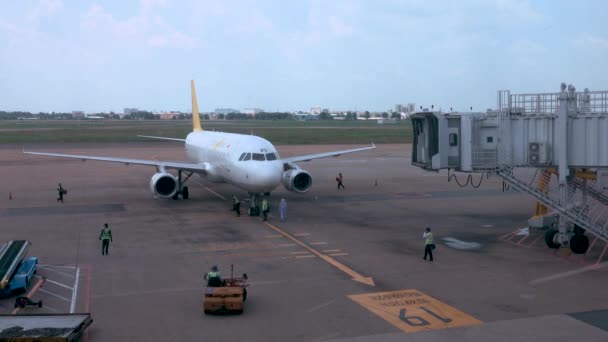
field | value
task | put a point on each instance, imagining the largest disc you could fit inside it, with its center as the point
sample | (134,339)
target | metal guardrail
(546,103)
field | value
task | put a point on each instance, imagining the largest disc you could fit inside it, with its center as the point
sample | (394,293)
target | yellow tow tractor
(225,295)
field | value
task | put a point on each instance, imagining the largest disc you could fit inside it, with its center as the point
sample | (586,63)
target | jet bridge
(563,134)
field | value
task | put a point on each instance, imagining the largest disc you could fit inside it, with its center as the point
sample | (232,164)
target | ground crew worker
(105,237)
(265,209)
(61,192)
(283,209)
(213,277)
(236,206)
(428,243)
(339,180)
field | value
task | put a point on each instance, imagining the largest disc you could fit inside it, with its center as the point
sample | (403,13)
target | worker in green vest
(213,277)
(106,238)
(429,244)
(265,208)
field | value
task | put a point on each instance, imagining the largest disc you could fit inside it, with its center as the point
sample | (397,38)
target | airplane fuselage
(246,161)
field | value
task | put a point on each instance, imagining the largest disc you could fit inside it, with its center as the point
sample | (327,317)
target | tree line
(145,115)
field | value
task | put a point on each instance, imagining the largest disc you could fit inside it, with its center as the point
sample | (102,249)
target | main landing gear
(576,239)
(181,189)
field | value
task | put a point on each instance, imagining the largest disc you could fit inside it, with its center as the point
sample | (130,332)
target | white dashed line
(54,295)
(55,283)
(75,292)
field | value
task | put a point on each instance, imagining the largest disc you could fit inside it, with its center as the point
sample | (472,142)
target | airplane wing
(201,168)
(310,157)
(161,138)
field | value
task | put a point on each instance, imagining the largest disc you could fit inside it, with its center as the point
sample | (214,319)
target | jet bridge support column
(561,138)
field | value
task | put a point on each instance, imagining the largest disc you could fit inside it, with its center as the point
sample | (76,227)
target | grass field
(280,132)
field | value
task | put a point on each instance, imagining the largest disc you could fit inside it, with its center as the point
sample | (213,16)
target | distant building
(399,108)
(411,107)
(169,115)
(77,114)
(252,111)
(305,116)
(226,111)
(315,110)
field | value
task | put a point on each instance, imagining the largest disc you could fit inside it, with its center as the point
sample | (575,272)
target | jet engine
(163,184)
(297,180)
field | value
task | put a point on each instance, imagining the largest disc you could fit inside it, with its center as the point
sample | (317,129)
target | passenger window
(490,139)
(242,156)
(271,156)
(258,157)
(247,156)
(453,138)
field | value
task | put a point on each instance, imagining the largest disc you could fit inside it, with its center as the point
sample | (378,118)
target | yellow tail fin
(196,120)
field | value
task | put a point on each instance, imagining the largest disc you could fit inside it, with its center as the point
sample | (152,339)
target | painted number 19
(417,321)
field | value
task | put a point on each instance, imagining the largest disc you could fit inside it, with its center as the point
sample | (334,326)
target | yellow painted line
(215,193)
(338,254)
(305,256)
(331,250)
(301,234)
(354,275)
(318,243)
(412,311)
(211,191)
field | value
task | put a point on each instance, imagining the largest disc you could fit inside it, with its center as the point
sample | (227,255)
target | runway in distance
(248,162)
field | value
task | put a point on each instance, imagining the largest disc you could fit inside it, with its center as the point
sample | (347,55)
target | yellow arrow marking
(354,275)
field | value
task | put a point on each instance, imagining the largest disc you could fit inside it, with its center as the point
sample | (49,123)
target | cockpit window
(247,156)
(242,156)
(258,157)
(271,156)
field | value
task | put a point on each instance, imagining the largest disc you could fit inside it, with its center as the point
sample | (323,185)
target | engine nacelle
(297,180)
(163,184)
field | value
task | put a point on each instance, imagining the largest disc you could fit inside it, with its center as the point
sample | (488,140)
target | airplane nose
(271,176)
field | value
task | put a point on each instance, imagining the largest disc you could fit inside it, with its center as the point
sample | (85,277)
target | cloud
(43,8)
(527,52)
(517,9)
(591,41)
(339,28)
(174,39)
(146,27)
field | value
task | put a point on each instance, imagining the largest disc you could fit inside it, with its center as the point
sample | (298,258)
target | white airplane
(245,161)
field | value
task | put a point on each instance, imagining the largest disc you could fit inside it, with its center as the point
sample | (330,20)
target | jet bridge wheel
(549,235)
(579,243)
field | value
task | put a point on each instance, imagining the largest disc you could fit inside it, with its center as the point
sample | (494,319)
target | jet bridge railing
(546,103)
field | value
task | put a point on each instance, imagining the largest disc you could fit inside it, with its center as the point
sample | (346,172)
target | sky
(101,56)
